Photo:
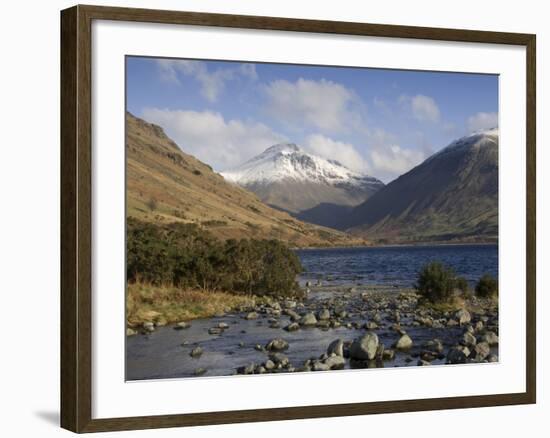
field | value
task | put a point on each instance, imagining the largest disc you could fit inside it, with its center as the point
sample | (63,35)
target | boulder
(290,304)
(469,339)
(335,362)
(200,371)
(269,365)
(196,352)
(365,347)
(323,315)
(214,331)
(371,325)
(148,327)
(320,366)
(247,369)
(491,338)
(404,342)
(276,345)
(482,350)
(463,316)
(130,331)
(308,319)
(251,315)
(223,325)
(292,327)
(388,354)
(279,359)
(182,325)
(336,347)
(464,349)
(456,356)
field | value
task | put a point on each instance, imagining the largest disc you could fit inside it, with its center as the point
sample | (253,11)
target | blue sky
(376,121)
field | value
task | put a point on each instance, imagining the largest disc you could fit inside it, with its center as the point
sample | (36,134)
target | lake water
(166,352)
(396,265)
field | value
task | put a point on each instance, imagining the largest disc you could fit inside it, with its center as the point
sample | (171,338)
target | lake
(381,272)
(395,265)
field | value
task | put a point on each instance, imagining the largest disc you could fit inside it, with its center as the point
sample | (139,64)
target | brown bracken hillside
(167,185)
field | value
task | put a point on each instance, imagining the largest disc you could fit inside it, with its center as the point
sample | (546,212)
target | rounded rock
(365,347)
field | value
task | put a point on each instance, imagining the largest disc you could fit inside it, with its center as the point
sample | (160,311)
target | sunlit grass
(168,304)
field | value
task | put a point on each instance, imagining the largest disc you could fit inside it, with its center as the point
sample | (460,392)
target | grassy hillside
(166,185)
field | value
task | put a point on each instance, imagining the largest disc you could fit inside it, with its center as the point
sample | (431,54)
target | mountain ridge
(451,196)
(165,184)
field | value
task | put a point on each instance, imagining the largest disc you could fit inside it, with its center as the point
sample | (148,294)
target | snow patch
(287,161)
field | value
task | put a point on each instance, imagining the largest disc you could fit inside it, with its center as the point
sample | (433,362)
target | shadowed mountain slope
(452,196)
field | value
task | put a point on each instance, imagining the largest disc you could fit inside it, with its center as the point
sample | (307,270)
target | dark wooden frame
(76,321)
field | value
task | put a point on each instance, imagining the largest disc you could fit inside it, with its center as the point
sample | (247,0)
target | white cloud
(391,161)
(322,104)
(423,108)
(482,121)
(387,160)
(345,153)
(212,139)
(212,82)
(384,158)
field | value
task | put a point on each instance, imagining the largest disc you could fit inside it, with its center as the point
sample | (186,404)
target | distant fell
(309,187)
(451,197)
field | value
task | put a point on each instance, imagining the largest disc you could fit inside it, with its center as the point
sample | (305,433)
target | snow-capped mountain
(287,177)
(286,161)
(476,139)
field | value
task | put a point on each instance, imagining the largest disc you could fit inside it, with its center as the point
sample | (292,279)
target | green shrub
(436,282)
(487,286)
(186,256)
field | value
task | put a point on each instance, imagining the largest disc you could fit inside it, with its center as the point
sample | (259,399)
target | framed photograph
(270,218)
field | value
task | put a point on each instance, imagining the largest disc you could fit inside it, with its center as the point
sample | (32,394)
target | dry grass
(187,190)
(458,302)
(168,304)
(454,304)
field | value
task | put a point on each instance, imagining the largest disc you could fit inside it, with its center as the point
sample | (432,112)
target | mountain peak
(475,139)
(451,196)
(288,162)
(294,180)
(282,148)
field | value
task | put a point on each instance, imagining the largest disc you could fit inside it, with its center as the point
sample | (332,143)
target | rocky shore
(332,329)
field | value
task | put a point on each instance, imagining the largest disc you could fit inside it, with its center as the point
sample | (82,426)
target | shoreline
(331,329)
(395,245)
